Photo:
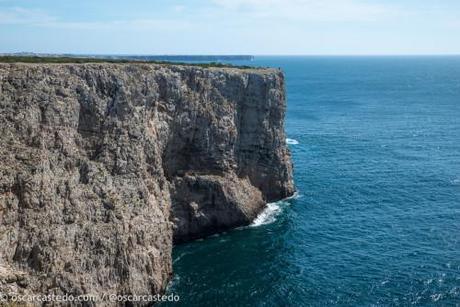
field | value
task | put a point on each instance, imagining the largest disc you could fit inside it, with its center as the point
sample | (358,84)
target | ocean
(375,143)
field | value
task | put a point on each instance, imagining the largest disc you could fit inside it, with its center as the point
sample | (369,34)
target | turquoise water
(377,218)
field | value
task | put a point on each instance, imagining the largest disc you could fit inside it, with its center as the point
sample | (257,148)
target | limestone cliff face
(102,166)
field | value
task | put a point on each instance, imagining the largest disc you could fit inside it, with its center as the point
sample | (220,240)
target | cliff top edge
(84,61)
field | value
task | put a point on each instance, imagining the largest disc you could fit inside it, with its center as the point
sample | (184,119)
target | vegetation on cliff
(81,60)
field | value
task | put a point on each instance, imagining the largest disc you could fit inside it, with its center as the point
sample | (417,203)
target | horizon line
(232,54)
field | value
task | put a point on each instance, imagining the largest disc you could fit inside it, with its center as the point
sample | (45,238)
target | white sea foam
(435,297)
(267,216)
(291,141)
(272,211)
(296,195)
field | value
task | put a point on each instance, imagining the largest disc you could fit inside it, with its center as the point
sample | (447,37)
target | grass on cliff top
(77,60)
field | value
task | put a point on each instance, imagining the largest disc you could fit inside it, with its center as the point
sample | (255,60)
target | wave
(271,212)
(296,195)
(267,216)
(291,141)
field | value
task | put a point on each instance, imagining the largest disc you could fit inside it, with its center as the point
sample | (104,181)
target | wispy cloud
(18,15)
(238,10)
(38,18)
(310,10)
(232,26)
(453,24)
(179,8)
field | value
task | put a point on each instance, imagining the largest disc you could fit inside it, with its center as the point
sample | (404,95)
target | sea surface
(376,222)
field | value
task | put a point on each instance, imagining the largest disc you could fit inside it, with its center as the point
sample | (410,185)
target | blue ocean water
(376,150)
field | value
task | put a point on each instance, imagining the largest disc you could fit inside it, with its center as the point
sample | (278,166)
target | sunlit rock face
(102,166)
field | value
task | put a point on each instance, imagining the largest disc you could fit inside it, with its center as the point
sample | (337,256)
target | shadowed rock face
(102,166)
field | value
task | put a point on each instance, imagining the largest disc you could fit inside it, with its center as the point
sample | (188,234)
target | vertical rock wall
(103,165)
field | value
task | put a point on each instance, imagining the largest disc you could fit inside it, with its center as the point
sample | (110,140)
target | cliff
(102,166)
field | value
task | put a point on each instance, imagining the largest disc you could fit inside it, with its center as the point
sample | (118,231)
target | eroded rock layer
(104,165)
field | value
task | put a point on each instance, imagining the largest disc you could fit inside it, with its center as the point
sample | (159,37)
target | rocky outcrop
(103,165)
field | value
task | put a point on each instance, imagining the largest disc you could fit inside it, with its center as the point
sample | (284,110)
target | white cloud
(310,10)
(38,18)
(133,24)
(454,24)
(179,8)
(242,26)
(18,15)
(247,11)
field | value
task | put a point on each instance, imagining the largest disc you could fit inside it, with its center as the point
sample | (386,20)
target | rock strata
(103,166)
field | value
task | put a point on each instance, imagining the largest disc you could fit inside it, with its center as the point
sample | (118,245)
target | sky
(256,27)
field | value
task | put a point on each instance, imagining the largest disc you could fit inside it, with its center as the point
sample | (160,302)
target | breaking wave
(291,141)
(267,216)
(271,212)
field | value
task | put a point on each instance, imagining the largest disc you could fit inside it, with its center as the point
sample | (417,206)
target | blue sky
(288,27)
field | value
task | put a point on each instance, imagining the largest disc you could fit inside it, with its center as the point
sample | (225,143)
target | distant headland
(172,58)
